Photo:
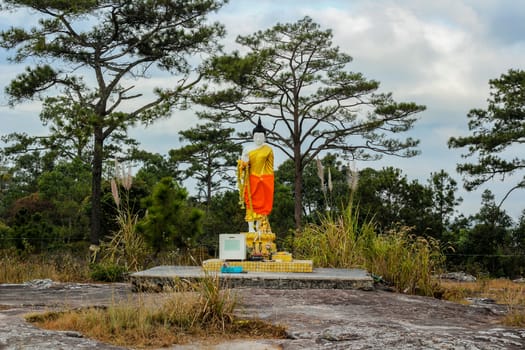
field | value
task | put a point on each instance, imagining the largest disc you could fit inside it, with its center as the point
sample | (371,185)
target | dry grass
(502,291)
(65,267)
(68,266)
(200,310)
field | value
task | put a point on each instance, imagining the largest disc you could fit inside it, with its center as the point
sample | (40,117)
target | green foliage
(170,223)
(108,272)
(20,177)
(54,212)
(391,197)
(223,215)
(281,217)
(30,223)
(154,167)
(208,156)
(490,244)
(33,79)
(396,201)
(6,236)
(67,186)
(496,134)
(386,194)
(443,189)
(317,198)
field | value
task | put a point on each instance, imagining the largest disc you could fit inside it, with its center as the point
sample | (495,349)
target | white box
(232,246)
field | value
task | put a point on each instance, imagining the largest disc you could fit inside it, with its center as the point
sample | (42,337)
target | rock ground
(315,319)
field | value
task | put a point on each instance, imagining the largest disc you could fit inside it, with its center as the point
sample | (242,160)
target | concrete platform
(165,277)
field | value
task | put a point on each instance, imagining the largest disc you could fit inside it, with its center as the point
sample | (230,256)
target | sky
(440,54)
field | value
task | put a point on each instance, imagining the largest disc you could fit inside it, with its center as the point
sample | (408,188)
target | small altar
(253,252)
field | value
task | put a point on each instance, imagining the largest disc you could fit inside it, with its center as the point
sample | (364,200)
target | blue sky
(437,53)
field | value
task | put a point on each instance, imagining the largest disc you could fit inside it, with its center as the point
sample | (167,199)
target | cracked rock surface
(350,319)
(315,319)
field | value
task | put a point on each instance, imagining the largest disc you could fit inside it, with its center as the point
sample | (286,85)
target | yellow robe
(258,190)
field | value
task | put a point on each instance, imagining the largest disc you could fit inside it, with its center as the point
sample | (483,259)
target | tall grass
(336,242)
(515,301)
(201,309)
(125,249)
(406,260)
(399,257)
(73,265)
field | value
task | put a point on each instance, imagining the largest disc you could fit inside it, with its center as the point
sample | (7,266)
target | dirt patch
(328,319)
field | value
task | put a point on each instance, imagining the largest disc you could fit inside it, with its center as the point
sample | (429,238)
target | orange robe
(258,194)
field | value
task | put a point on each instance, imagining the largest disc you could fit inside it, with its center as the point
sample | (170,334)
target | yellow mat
(261,266)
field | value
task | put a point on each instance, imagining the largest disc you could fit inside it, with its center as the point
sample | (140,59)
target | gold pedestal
(260,244)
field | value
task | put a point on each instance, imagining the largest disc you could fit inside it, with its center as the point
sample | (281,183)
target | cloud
(404,51)
(22,118)
(162,136)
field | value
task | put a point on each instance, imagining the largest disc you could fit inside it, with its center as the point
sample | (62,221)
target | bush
(107,272)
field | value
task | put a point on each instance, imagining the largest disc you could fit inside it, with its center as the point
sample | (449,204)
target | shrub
(108,272)
(170,222)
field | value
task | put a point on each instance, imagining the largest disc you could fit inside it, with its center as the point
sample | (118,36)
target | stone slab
(165,277)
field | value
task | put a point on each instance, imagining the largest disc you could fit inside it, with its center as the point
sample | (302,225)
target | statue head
(259,134)
(259,138)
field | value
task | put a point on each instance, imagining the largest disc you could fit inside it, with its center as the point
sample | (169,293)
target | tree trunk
(96,187)
(209,184)
(298,192)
